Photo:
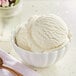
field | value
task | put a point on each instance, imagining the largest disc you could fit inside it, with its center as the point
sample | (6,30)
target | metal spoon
(9,69)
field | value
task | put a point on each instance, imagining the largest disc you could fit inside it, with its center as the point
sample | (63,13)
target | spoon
(9,69)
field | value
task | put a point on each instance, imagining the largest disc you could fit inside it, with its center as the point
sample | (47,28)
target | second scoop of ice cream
(43,33)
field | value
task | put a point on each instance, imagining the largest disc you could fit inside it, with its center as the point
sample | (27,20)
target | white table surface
(65,9)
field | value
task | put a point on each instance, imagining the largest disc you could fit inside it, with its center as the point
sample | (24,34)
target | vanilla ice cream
(21,38)
(42,34)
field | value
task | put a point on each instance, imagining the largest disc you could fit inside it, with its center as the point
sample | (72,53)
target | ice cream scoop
(9,69)
(43,33)
(21,38)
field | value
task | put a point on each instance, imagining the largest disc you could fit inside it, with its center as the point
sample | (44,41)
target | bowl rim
(45,52)
(3,8)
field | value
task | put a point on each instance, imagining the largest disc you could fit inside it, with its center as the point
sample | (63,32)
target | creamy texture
(21,38)
(42,33)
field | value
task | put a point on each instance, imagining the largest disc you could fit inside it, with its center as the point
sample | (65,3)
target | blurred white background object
(9,17)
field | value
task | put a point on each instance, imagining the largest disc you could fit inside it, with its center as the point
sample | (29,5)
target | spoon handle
(12,70)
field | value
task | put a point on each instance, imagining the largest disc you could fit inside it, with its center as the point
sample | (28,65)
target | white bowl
(11,11)
(40,59)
